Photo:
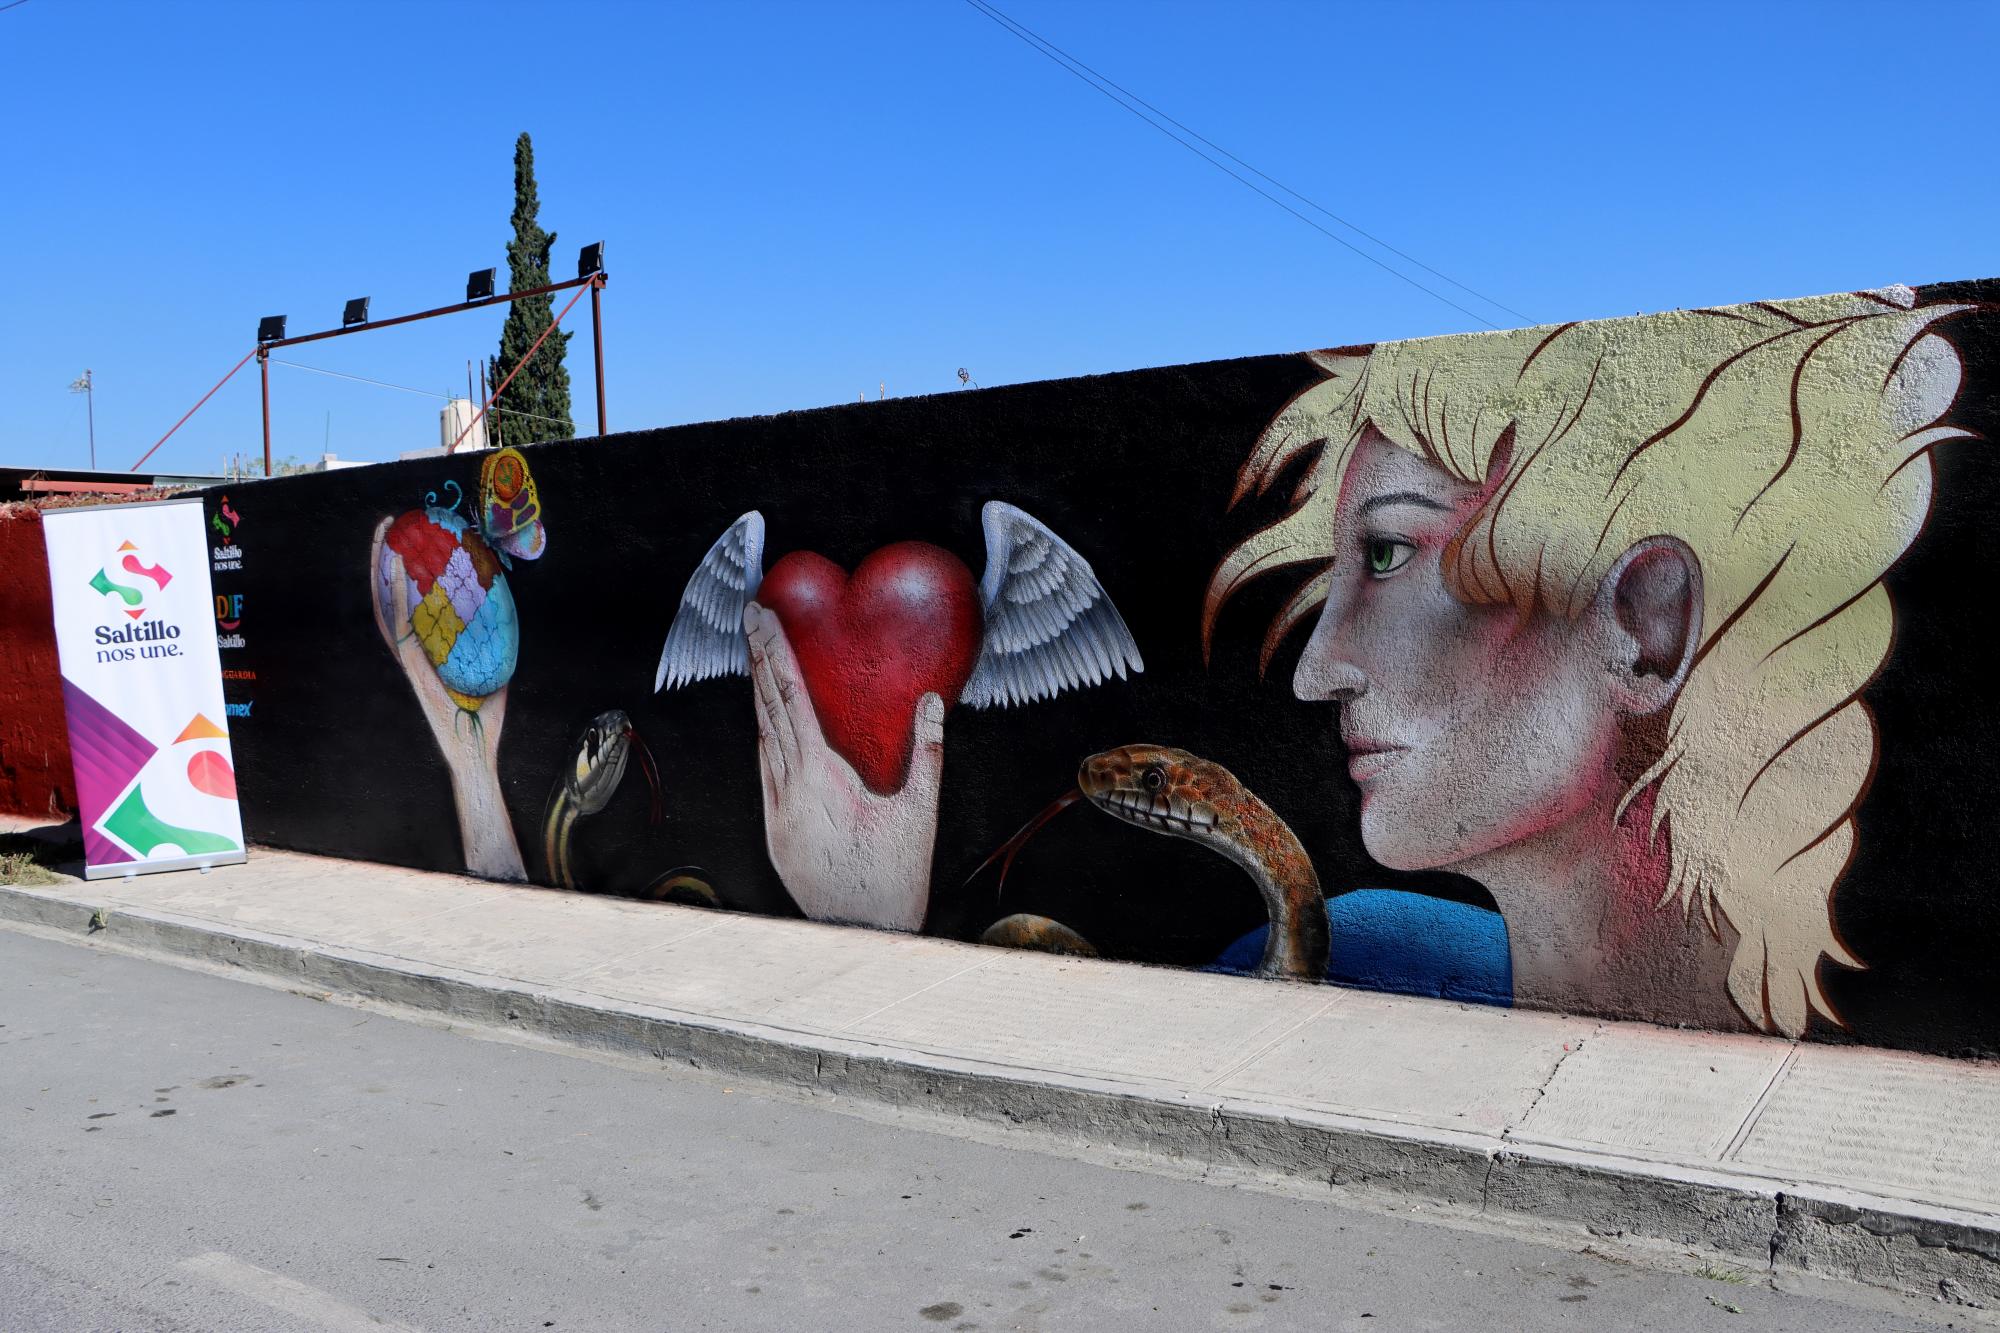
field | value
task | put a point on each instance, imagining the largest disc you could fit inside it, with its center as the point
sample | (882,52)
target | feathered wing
(706,638)
(1050,626)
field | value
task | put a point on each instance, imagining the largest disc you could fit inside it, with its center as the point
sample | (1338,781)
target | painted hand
(469,743)
(844,852)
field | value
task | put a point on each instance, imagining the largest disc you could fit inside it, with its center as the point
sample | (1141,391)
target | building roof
(26,483)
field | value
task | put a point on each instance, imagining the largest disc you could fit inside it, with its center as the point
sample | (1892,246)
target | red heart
(905,625)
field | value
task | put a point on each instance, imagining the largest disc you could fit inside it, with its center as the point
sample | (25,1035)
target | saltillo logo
(132,593)
(150,632)
(226,521)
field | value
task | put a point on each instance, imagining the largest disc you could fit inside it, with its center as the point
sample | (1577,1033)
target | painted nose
(1321,681)
(1325,674)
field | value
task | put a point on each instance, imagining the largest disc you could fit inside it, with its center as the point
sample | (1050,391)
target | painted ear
(1651,605)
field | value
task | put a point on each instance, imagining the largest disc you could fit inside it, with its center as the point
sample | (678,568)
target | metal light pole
(82,386)
(264,368)
(597,344)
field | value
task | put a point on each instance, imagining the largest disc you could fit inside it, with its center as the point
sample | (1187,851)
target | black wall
(1134,471)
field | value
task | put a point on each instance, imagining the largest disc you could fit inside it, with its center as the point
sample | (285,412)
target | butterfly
(510,510)
(451,564)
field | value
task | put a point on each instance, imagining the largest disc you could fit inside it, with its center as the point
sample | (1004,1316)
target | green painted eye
(1386,556)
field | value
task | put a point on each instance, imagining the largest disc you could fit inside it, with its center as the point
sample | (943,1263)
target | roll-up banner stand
(142,687)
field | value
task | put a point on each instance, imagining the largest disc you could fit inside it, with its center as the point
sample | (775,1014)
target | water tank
(452,421)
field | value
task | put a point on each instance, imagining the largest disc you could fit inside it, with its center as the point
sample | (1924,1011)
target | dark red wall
(34,748)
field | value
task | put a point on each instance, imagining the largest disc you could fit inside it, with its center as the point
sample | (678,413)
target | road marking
(288,1295)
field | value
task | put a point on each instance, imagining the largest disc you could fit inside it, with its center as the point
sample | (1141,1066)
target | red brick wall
(34,746)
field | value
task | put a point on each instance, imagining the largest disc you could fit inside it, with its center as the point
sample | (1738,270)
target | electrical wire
(359,379)
(1356,228)
(1106,87)
(404,388)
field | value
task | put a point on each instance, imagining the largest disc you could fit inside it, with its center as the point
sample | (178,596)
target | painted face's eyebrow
(1374,502)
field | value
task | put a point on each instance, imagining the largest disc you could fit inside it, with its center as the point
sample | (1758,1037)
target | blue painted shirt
(1407,943)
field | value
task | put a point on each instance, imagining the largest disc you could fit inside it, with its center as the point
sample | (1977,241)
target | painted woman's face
(1466,727)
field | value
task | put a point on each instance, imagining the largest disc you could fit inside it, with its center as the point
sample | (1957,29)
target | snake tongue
(657,807)
(1012,847)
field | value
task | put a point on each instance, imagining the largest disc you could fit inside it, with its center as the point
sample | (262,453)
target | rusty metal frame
(595,281)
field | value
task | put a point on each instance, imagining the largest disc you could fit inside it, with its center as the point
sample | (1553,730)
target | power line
(404,388)
(360,379)
(1106,87)
(1311,203)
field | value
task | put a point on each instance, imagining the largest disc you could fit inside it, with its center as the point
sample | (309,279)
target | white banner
(142,687)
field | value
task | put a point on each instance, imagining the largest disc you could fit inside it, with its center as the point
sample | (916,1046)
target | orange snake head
(1160,788)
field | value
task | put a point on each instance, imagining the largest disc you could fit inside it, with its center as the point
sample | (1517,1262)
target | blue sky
(802,202)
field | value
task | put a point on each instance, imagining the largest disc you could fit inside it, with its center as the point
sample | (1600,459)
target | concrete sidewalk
(1787,1158)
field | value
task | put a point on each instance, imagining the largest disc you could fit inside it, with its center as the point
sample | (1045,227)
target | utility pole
(82,386)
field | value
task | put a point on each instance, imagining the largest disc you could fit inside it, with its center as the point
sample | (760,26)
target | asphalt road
(184,1151)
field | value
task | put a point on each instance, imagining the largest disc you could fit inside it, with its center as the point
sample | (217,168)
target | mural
(1647,644)
(443,607)
(853,677)
(1596,604)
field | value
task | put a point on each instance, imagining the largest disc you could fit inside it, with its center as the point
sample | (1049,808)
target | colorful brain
(459,606)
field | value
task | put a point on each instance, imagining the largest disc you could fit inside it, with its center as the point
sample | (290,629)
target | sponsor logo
(224,520)
(238,710)
(149,632)
(233,673)
(124,581)
(129,643)
(228,616)
(127,587)
(228,555)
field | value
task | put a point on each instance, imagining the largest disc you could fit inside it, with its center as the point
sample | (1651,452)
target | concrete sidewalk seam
(1899,1244)
(1756,1112)
(853,1023)
(580,973)
(1271,1045)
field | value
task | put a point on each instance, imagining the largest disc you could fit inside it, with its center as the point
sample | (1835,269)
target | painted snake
(1182,795)
(1152,787)
(596,767)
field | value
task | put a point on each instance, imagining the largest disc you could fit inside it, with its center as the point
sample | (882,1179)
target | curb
(1771,1227)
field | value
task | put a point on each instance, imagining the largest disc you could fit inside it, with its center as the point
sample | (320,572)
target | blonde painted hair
(1786,443)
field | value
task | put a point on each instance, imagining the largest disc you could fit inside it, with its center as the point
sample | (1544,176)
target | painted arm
(469,743)
(844,852)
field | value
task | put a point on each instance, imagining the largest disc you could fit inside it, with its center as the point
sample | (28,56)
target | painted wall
(35,778)
(1632,667)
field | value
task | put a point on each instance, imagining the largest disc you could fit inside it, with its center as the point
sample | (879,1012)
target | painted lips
(1370,759)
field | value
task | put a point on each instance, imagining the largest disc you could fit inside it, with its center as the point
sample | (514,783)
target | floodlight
(479,286)
(591,260)
(355,313)
(271,329)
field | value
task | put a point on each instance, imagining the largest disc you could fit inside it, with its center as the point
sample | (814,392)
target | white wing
(707,634)
(1050,626)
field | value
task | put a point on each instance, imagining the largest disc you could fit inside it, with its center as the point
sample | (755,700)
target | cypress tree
(536,405)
